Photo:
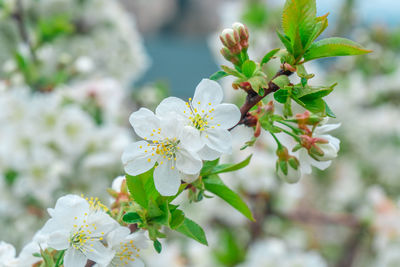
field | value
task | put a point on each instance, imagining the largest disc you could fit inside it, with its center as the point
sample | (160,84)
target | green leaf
(320,26)
(281,81)
(248,68)
(132,217)
(218,75)
(281,95)
(269,56)
(177,218)
(267,125)
(311,92)
(231,167)
(141,188)
(257,82)
(232,71)
(315,105)
(298,21)
(329,112)
(333,47)
(286,42)
(208,166)
(157,246)
(192,230)
(216,186)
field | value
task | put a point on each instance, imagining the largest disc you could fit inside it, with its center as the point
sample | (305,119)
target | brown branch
(253,98)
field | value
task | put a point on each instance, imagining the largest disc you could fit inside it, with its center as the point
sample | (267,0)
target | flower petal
(172,105)
(191,139)
(59,240)
(74,258)
(146,124)
(206,153)
(96,252)
(208,94)
(188,162)
(167,179)
(136,158)
(326,128)
(225,115)
(218,139)
(189,178)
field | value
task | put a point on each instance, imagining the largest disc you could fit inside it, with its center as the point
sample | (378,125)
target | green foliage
(248,68)
(157,246)
(269,56)
(192,230)
(212,167)
(142,188)
(218,75)
(333,47)
(256,14)
(132,217)
(215,185)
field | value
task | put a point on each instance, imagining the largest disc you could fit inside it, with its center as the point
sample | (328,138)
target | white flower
(206,121)
(126,247)
(292,176)
(7,255)
(79,226)
(164,147)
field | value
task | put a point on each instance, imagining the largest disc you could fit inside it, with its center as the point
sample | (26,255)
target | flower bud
(226,53)
(230,38)
(288,171)
(243,33)
(329,152)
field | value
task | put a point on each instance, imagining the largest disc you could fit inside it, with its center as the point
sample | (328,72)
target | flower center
(127,252)
(199,119)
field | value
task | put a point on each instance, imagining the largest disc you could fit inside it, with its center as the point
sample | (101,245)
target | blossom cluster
(180,135)
(56,142)
(81,230)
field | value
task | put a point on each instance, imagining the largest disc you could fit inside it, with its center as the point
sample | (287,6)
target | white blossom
(79,227)
(162,146)
(206,121)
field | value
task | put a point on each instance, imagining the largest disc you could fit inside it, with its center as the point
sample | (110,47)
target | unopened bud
(329,152)
(289,170)
(229,56)
(230,39)
(243,33)
(319,148)
(287,66)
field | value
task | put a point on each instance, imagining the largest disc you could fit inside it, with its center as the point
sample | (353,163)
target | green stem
(280,146)
(60,258)
(289,133)
(297,131)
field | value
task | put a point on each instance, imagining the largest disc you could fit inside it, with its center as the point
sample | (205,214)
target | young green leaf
(329,112)
(320,26)
(286,42)
(248,68)
(208,166)
(281,95)
(141,188)
(333,47)
(315,105)
(269,56)
(192,230)
(177,218)
(281,81)
(298,21)
(215,185)
(218,75)
(231,167)
(157,246)
(131,217)
(309,92)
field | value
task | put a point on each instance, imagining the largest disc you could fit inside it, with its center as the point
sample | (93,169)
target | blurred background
(71,72)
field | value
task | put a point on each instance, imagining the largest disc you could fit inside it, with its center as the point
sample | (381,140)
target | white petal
(207,92)
(191,139)
(167,179)
(225,115)
(59,240)
(305,161)
(333,140)
(171,127)
(116,236)
(206,153)
(326,128)
(74,258)
(136,158)
(96,252)
(136,263)
(145,123)
(218,139)
(172,105)
(188,162)
(189,178)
